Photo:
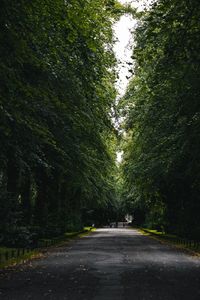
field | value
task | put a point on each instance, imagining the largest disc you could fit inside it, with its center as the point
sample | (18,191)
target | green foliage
(57,88)
(162,157)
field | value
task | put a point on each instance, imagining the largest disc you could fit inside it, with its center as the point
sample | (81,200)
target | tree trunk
(26,197)
(41,203)
(13,173)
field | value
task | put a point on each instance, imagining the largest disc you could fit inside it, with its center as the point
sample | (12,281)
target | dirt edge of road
(182,248)
(41,253)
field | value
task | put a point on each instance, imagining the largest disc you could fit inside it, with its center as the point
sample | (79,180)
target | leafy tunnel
(61,124)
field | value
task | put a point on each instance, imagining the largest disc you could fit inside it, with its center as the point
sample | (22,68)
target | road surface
(109,264)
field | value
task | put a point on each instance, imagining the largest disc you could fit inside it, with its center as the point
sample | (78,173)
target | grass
(15,256)
(71,235)
(180,243)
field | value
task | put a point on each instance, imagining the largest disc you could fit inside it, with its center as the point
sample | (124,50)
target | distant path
(109,264)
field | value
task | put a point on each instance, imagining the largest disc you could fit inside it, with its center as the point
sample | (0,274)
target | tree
(162,159)
(57,89)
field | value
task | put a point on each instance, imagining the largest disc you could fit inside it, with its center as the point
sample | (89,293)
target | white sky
(123,49)
(119,156)
(124,44)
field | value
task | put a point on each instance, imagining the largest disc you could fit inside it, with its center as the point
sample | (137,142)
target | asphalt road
(109,264)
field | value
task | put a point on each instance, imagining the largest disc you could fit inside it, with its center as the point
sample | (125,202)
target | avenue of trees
(162,108)
(56,135)
(58,139)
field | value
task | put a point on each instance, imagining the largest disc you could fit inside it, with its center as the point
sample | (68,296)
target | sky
(123,50)
(123,46)
(123,31)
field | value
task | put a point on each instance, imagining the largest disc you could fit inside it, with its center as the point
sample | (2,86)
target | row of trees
(162,129)
(56,135)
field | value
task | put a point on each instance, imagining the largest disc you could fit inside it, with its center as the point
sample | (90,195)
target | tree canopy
(57,89)
(57,134)
(162,158)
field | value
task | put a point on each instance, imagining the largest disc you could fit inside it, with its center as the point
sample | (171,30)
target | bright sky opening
(123,49)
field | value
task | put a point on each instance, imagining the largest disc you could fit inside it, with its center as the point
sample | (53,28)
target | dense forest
(57,79)
(162,126)
(58,104)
